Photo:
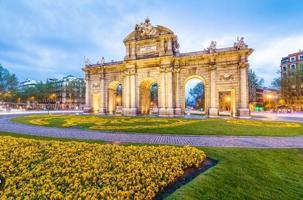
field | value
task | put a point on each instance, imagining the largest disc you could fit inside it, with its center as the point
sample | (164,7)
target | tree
(196,96)
(292,86)
(8,84)
(253,82)
(276,82)
(39,93)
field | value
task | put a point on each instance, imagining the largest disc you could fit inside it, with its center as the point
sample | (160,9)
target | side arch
(114,97)
(145,95)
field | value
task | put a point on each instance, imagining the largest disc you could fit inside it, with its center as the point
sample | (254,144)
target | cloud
(267,56)
(45,38)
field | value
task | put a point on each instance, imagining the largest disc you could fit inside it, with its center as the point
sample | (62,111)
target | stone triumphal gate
(152,77)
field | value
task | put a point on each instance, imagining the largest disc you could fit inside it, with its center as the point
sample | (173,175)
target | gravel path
(214,141)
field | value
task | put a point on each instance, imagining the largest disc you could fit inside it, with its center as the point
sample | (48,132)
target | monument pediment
(146,30)
(147,41)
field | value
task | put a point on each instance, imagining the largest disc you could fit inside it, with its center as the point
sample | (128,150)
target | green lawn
(245,174)
(178,126)
(248,174)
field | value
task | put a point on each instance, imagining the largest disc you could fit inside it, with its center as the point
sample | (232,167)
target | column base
(166,112)
(129,111)
(102,111)
(87,109)
(213,112)
(178,112)
(244,113)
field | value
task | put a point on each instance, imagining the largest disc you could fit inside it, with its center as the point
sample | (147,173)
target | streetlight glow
(269,96)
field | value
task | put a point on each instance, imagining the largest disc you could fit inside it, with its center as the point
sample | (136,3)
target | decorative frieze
(227,77)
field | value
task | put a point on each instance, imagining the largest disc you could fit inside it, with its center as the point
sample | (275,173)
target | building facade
(291,62)
(264,99)
(153,62)
(292,80)
(68,92)
(28,83)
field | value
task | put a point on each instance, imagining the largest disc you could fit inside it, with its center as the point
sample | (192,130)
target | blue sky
(49,38)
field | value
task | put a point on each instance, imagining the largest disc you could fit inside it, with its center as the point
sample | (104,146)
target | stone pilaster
(213,109)
(166,90)
(132,79)
(87,107)
(177,94)
(243,111)
(102,107)
(125,94)
(169,92)
(162,109)
(129,93)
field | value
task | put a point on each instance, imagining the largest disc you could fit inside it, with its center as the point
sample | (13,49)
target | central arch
(148,96)
(194,95)
(114,97)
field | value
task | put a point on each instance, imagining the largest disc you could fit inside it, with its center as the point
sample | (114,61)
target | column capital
(177,70)
(212,67)
(130,72)
(243,65)
(166,68)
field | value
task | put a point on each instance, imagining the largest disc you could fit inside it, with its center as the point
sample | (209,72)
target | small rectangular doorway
(225,103)
(95,102)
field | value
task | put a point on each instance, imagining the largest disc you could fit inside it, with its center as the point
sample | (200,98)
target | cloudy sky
(49,38)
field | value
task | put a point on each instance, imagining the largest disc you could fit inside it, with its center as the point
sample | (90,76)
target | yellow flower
(38,169)
(265,124)
(104,123)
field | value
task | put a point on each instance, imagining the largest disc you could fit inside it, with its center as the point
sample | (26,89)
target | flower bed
(264,123)
(103,123)
(55,170)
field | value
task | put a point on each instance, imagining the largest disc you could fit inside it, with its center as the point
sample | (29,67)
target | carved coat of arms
(227,77)
(145,30)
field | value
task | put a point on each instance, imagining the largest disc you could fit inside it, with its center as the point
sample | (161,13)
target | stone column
(213,110)
(177,94)
(243,111)
(102,107)
(162,96)
(126,94)
(169,92)
(132,94)
(87,107)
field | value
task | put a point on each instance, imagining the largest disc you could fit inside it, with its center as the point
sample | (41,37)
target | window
(284,60)
(293,66)
(292,59)
(301,57)
(284,68)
